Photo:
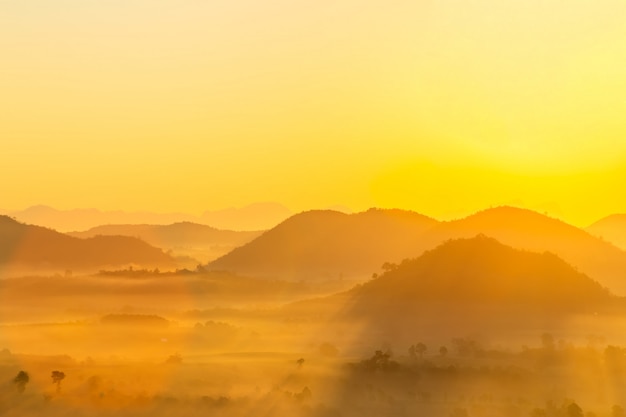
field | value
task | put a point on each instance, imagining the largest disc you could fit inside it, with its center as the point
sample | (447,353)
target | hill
(476,287)
(326,243)
(329,244)
(611,228)
(185,238)
(481,271)
(526,229)
(27,246)
(257,216)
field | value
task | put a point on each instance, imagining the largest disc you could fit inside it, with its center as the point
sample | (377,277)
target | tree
(420,349)
(574,410)
(466,347)
(20,381)
(380,362)
(388,266)
(443,351)
(57,377)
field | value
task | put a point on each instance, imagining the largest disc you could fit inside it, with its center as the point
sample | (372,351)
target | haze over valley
(323,306)
(312,208)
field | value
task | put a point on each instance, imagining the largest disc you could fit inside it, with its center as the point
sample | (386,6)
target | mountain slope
(526,229)
(324,243)
(465,287)
(330,243)
(29,246)
(481,271)
(611,228)
(199,241)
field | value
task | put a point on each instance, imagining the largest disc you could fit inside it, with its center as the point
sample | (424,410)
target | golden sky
(443,107)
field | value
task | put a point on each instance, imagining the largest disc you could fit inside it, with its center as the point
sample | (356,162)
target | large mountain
(480,271)
(190,239)
(329,244)
(611,228)
(526,229)
(465,287)
(28,247)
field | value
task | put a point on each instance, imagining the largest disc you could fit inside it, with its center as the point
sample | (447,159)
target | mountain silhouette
(611,228)
(257,216)
(482,271)
(329,244)
(461,287)
(27,246)
(471,286)
(186,238)
(526,229)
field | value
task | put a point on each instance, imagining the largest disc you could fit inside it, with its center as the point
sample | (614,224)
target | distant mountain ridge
(611,228)
(28,246)
(186,238)
(257,216)
(330,244)
(527,229)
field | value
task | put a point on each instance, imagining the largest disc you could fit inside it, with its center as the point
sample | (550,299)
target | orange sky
(443,107)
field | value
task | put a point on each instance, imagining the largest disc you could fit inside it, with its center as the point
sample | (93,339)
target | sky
(444,107)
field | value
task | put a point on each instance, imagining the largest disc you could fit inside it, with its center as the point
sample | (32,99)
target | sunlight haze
(196,105)
(313,208)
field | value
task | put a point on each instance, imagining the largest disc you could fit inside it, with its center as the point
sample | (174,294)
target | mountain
(481,271)
(526,229)
(257,216)
(475,286)
(464,287)
(189,239)
(329,244)
(611,228)
(28,247)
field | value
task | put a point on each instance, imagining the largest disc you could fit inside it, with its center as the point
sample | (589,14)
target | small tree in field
(20,381)
(57,377)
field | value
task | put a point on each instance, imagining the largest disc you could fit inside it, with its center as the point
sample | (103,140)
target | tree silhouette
(57,377)
(574,410)
(388,266)
(380,362)
(443,351)
(420,349)
(467,347)
(20,381)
